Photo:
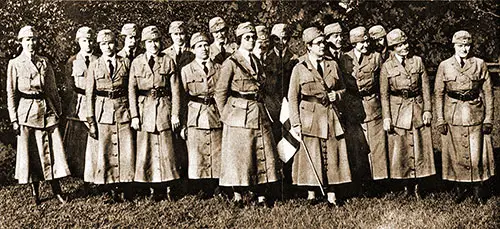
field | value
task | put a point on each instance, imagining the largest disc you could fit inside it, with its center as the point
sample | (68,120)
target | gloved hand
(388,125)
(443,128)
(332,96)
(92,127)
(184,134)
(135,124)
(487,128)
(427,118)
(16,128)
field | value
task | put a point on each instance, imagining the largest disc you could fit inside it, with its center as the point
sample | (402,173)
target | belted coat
(40,154)
(405,93)
(467,153)
(320,124)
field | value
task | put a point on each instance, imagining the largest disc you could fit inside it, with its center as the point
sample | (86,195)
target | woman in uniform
(109,119)
(464,107)
(34,109)
(315,88)
(76,137)
(249,159)
(204,129)
(406,109)
(154,107)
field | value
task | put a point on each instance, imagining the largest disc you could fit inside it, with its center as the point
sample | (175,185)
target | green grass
(437,210)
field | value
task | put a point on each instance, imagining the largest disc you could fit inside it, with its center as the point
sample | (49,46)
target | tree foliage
(429,25)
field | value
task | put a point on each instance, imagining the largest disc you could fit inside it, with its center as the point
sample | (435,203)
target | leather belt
(112,94)
(31,96)
(405,93)
(324,101)
(155,92)
(369,92)
(467,95)
(253,96)
(79,90)
(207,100)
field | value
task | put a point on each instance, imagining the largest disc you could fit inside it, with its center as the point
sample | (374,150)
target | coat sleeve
(340,86)
(132,90)
(184,74)
(90,89)
(223,84)
(439,88)
(384,92)
(12,97)
(68,92)
(426,88)
(294,97)
(487,89)
(51,87)
(176,89)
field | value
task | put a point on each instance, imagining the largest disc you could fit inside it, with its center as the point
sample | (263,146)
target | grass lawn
(437,210)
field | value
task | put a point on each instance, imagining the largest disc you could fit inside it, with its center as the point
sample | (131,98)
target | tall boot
(35,188)
(56,189)
(461,193)
(128,191)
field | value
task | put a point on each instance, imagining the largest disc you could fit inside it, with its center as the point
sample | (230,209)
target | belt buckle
(325,101)
(206,100)
(153,93)
(462,96)
(111,94)
(405,93)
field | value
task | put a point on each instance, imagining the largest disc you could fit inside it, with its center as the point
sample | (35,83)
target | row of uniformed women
(113,95)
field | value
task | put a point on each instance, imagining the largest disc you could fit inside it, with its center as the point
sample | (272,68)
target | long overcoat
(410,145)
(40,154)
(362,116)
(204,136)
(249,155)
(320,124)
(115,156)
(467,153)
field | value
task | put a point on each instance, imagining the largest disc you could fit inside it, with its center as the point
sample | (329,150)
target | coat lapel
(243,62)
(313,70)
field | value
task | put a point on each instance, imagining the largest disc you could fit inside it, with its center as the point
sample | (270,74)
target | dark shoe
(37,200)
(336,204)
(461,195)
(407,193)
(313,202)
(237,203)
(478,196)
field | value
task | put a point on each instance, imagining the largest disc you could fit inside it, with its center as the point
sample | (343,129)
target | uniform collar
(399,58)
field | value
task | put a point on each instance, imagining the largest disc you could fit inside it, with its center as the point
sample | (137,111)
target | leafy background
(429,25)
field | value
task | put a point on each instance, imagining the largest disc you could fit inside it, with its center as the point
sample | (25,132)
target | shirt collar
(278,52)
(112,58)
(458,58)
(398,57)
(357,54)
(200,62)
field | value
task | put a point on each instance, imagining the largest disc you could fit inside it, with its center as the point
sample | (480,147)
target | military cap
(27,31)
(332,28)
(198,37)
(83,32)
(176,27)
(262,33)
(150,33)
(396,36)
(462,37)
(310,34)
(358,34)
(215,24)
(245,27)
(105,35)
(129,29)
(377,32)
(280,30)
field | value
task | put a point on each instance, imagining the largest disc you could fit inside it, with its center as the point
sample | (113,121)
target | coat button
(467,167)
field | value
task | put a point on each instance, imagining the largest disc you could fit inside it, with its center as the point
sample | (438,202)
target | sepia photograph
(249,114)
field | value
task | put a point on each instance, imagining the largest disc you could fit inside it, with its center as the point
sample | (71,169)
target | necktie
(462,63)
(178,56)
(131,55)
(205,68)
(318,67)
(87,61)
(252,64)
(336,55)
(403,62)
(360,59)
(111,68)
(151,62)
(222,49)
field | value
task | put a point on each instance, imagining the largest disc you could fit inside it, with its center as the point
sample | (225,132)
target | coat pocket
(193,114)
(307,116)
(195,85)
(235,112)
